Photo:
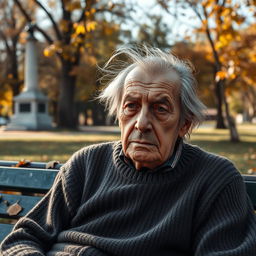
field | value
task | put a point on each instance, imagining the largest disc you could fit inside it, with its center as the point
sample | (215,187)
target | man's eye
(130,108)
(160,109)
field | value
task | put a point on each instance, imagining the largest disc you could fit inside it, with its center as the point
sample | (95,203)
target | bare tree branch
(63,5)
(29,19)
(2,35)
(55,26)
(82,15)
(23,11)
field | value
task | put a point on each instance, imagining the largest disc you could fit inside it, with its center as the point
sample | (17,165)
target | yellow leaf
(22,38)
(232,76)
(90,26)
(226,12)
(80,29)
(207,3)
(49,51)
(229,37)
(219,45)
(253,56)
(225,26)
(220,75)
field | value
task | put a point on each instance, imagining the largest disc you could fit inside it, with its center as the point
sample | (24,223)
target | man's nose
(143,122)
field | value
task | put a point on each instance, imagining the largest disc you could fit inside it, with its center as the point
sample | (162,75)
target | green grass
(243,154)
(61,145)
(47,148)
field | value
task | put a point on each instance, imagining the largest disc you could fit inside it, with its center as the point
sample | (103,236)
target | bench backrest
(30,183)
(250,182)
(22,185)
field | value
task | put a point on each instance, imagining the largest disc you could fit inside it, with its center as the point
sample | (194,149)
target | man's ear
(184,128)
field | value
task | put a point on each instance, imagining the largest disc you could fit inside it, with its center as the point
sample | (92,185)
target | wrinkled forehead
(153,78)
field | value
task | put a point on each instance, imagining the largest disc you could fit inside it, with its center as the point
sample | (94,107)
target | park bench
(30,183)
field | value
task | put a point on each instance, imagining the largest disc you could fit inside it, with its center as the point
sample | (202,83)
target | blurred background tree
(12,53)
(69,37)
(220,23)
(218,36)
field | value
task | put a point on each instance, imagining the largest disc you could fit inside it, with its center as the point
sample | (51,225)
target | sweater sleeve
(35,233)
(229,226)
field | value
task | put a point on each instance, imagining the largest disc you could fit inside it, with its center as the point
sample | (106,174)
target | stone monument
(31,105)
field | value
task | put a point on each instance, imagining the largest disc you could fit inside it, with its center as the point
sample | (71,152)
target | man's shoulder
(97,148)
(211,161)
(214,172)
(90,154)
(204,155)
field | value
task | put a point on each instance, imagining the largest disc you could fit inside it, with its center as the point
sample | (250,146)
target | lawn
(60,145)
(243,154)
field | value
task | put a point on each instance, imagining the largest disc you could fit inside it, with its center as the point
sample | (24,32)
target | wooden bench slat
(27,180)
(5,230)
(34,178)
(249,178)
(26,202)
(36,165)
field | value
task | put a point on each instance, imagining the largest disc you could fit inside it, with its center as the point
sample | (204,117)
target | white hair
(192,109)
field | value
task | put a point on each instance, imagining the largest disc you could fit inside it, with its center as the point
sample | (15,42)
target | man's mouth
(147,143)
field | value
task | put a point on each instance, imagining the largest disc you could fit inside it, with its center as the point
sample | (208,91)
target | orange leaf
(23,163)
(220,75)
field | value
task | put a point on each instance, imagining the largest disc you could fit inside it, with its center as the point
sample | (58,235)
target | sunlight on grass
(51,137)
(48,146)
(243,154)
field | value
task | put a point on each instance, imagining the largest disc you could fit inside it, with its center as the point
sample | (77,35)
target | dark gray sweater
(100,206)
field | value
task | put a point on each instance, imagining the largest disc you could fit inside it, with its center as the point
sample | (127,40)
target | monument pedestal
(31,112)
(31,105)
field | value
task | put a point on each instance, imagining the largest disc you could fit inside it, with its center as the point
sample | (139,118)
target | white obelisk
(31,105)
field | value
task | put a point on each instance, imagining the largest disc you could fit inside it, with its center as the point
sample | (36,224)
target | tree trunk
(12,68)
(251,101)
(98,115)
(220,124)
(66,107)
(234,136)
(218,84)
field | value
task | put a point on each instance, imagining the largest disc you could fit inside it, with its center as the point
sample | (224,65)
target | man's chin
(144,159)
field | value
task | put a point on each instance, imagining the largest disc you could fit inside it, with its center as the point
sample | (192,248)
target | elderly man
(151,193)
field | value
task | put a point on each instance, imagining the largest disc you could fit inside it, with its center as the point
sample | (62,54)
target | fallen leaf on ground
(23,163)
(14,209)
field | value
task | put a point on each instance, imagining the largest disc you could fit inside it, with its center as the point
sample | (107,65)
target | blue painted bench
(27,184)
(32,182)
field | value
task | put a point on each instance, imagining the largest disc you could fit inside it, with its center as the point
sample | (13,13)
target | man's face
(149,117)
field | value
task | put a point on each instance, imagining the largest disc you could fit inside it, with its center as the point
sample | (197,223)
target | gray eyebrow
(128,96)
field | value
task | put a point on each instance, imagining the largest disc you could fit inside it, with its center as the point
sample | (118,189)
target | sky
(142,7)
(177,28)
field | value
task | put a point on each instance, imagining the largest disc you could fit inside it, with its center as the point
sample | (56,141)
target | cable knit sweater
(100,206)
